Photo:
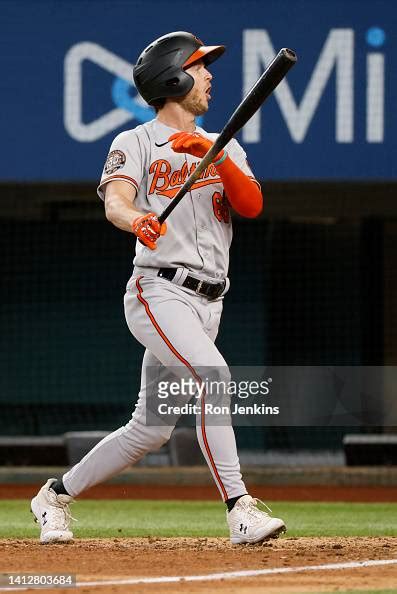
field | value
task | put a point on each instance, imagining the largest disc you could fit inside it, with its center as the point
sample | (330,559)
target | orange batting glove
(192,143)
(148,229)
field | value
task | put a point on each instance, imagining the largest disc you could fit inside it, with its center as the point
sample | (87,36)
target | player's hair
(158,104)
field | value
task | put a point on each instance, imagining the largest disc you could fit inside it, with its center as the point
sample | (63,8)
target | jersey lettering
(166,182)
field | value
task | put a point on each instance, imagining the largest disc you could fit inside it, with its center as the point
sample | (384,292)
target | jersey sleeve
(238,155)
(124,162)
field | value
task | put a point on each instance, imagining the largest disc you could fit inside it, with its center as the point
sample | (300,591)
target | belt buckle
(198,288)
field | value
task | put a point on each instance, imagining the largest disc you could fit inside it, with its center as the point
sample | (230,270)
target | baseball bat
(261,90)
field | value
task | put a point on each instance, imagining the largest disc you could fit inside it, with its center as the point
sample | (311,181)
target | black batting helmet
(160,69)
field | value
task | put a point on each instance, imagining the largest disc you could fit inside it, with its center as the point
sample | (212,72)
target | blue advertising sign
(67,83)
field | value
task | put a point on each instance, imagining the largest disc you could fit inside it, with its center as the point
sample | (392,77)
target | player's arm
(119,204)
(122,212)
(242,190)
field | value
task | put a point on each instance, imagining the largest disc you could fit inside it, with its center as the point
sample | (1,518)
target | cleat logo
(243,528)
(44,516)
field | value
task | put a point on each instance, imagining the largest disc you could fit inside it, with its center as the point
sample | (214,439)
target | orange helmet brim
(208,53)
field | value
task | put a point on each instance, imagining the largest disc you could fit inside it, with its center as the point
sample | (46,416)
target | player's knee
(152,436)
(162,436)
(217,380)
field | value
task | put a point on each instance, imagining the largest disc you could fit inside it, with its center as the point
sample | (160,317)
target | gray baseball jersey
(200,229)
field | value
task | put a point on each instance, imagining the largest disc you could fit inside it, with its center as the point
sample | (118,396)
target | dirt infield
(124,558)
(209,492)
(119,558)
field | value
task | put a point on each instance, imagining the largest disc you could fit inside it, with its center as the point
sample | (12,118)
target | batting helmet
(160,69)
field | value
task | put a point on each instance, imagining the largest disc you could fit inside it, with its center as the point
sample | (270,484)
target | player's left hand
(192,143)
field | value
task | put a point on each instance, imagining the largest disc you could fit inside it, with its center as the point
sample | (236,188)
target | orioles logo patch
(115,160)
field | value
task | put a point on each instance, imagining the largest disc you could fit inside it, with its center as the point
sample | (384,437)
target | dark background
(314,282)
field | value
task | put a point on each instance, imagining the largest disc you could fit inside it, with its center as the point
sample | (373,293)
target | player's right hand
(148,229)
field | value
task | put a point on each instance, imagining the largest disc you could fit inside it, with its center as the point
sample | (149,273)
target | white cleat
(248,524)
(52,512)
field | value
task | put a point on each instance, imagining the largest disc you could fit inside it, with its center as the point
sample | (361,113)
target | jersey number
(221,207)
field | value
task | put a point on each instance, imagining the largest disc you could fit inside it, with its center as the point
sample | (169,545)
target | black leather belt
(209,290)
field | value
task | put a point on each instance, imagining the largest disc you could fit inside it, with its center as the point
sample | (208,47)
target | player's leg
(125,446)
(177,329)
(166,322)
(247,523)
(130,443)
(120,449)
(187,326)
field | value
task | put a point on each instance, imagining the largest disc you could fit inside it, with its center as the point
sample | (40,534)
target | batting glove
(148,229)
(194,144)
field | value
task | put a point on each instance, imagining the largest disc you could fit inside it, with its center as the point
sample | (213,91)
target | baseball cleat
(249,524)
(52,512)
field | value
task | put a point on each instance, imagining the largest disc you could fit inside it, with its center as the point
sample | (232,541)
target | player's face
(196,101)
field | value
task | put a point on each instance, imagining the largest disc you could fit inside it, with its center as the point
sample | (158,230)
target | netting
(303,292)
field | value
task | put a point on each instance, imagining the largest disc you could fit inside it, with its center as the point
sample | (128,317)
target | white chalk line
(225,575)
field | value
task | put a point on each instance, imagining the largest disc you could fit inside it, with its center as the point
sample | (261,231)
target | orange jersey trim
(172,192)
(121,178)
(195,375)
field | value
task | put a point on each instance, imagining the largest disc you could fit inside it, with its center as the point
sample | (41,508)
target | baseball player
(173,301)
